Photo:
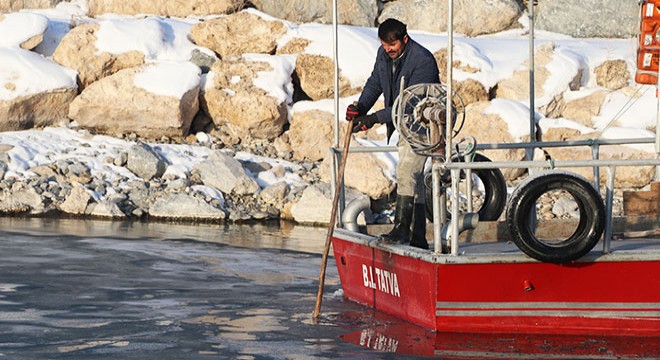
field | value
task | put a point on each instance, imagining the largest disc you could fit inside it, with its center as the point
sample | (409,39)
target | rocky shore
(225,112)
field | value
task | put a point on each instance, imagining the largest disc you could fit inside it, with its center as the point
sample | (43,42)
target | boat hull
(502,294)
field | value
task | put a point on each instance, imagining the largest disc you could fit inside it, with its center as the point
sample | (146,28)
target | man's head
(393,36)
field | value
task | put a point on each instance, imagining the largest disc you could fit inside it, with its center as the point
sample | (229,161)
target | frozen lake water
(74,289)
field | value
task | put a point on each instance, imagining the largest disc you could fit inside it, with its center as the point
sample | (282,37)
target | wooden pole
(333,220)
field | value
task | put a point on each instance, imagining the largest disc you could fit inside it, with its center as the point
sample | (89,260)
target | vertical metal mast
(450,129)
(529,152)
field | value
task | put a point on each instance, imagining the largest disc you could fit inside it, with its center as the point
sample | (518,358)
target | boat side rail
(456,167)
(594,144)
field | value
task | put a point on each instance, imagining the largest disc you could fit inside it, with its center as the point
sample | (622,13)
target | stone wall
(607,19)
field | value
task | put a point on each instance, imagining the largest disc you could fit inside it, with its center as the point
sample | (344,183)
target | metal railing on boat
(457,167)
(439,218)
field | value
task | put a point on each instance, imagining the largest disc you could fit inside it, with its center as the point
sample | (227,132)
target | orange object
(648,50)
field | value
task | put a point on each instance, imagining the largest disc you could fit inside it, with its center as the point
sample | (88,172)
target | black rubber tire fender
(587,233)
(495,192)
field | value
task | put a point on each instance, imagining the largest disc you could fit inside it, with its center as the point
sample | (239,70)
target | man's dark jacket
(417,65)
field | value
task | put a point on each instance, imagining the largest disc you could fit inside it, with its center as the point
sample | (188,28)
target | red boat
(494,287)
(523,284)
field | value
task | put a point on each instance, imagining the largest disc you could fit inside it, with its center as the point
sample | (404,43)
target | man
(398,57)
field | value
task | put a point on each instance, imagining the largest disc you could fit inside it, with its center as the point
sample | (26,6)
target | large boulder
(488,126)
(357,12)
(145,162)
(312,72)
(315,204)
(311,132)
(470,18)
(238,34)
(612,74)
(153,101)
(175,8)
(583,109)
(226,174)
(233,98)
(184,206)
(16,5)
(22,29)
(78,51)
(33,95)
(365,173)
(77,200)
(296,45)
(21,198)
(589,18)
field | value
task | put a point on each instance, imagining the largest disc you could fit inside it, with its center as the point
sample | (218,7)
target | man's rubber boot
(418,236)
(400,233)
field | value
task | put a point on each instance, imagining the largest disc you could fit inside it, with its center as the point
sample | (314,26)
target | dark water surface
(74,289)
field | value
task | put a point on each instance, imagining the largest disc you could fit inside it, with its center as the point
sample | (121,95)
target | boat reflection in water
(391,335)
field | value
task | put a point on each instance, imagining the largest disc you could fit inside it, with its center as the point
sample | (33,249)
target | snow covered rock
(585,108)
(238,34)
(489,127)
(22,29)
(226,174)
(356,12)
(78,51)
(34,91)
(469,90)
(153,100)
(184,206)
(470,18)
(548,85)
(177,8)
(233,95)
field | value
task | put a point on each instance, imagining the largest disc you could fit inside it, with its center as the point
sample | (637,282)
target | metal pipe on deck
(595,154)
(609,200)
(455,177)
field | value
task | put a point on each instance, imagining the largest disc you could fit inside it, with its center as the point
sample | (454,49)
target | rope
(631,101)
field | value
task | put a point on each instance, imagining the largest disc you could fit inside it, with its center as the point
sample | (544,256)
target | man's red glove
(352,112)
(364,123)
